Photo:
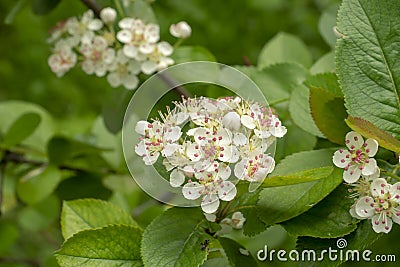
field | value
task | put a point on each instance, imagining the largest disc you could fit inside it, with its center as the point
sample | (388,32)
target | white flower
(97,56)
(157,139)
(231,121)
(180,30)
(158,59)
(212,186)
(123,71)
(238,220)
(358,159)
(139,39)
(62,59)
(108,15)
(84,28)
(381,206)
(255,168)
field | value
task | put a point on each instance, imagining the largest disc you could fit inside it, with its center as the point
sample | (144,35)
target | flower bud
(108,15)
(231,121)
(180,30)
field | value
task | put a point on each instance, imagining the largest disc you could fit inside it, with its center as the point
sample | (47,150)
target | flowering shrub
(225,131)
(105,46)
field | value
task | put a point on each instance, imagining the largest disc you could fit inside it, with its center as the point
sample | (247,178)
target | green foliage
(113,245)
(232,250)
(174,238)
(366,59)
(192,53)
(82,214)
(42,7)
(284,47)
(22,128)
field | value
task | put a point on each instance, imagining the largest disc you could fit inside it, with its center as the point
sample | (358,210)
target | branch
(179,89)
(93,5)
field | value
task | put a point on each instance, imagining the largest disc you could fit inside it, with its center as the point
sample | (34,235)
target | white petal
(140,148)
(124,36)
(192,190)
(279,131)
(165,48)
(354,140)
(365,207)
(146,48)
(193,152)
(210,203)
(224,171)
(227,191)
(231,121)
(341,158)
(210,217)
(395,192)
(130,51)
(371,147)
(176,178)
(149,67)
(239,169)
(169,149)
(381,224)
(240,139)
(354,214)
(375,175)
(95,25)
(380,187)
(396,217)
(230,154)
(141,127)
(247,121)
(126,23)
(152,33)
(114,79)
(352,174)
(370,167)
(131,82)
(151,158)
(173,134)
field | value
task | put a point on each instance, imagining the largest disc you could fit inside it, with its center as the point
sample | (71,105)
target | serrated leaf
(359,240)
(300,111)
(329,113)
(327,81)
(22,128)
(367,61)
(38,184)
(82,214)
(369,130)
(285,202)
(232,251)
(174,238)
(330,218)
(297,177)
(284,47)
(42,7)
(114,245)
(192,53)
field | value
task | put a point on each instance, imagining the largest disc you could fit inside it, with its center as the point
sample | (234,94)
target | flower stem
(120,9)
(178,43)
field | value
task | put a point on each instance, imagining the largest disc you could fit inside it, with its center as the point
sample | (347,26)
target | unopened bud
(180,30)
(108,15)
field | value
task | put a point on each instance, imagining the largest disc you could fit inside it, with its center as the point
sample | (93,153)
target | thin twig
(3,164)
(179,89)
(93,5)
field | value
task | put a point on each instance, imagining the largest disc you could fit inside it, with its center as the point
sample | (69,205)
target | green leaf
(38,184)
(114,108)
(114,245)
(327,81)
(300,111)
(329,114)
(82,214)
(297,177)
(141,9)
(174,239)
(42,7)
(359,240)
(369,130)
(22,128)
(330,218)
(192,53)
(367,61)
(8,236)
(326,23)
(284,47)
(324,64)
(236,258)
(285,202)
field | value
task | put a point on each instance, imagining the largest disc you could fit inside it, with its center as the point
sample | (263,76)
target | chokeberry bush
(98,168)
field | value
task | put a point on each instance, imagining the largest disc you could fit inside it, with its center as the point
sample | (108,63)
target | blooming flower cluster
(375,198)
(104,46)
(223,132)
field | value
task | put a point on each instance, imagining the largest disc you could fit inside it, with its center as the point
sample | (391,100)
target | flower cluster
(222,132)
(104,46)
(375,198)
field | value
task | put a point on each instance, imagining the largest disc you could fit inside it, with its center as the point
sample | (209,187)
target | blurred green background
(233,31)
